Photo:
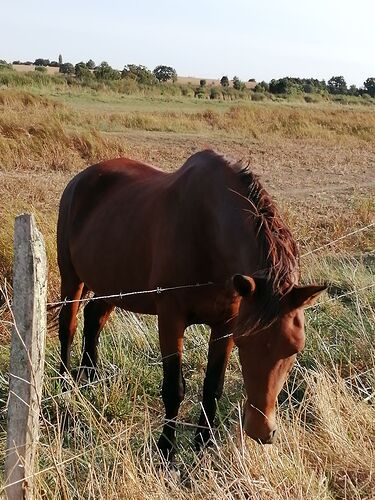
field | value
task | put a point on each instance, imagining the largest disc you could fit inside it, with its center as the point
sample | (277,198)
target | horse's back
(124,226)
(103,219)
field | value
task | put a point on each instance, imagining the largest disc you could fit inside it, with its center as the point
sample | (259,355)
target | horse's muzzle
(270,439)
(258,427)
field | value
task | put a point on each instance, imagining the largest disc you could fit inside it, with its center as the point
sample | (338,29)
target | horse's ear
(304,296)
(244,285)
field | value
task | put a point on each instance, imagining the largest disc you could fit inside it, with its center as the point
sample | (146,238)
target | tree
(41,62)
(202,83)
(337,85)
(165,73)
(369,85)
(60,60)
(67,69)
(90,64)
(262,87)
(139,73)
(353,90)
(105,72)
(237,84)
(224,82)
(81,70)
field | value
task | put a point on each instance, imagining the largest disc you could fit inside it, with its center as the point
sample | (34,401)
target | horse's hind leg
(171,331)
(71,290)
(96,314)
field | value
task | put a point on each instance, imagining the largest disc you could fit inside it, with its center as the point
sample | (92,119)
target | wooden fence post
(26,357)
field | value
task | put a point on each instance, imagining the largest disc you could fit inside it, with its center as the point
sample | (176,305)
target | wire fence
(74,386)
(159,290)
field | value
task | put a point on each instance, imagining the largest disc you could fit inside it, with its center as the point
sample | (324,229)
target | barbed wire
(75,387)
(159,290)
(121,295)
(165,422)
(339,239)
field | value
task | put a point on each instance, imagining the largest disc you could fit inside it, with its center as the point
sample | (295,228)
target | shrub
(258,96)
(200,92)
(67,69)
(187,91)
(312,98)
(215,93)
(41,69)
(5,66)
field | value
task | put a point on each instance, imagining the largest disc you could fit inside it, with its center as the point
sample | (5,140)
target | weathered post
(26,357)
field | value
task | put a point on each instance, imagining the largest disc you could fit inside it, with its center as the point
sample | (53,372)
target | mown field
(318,161)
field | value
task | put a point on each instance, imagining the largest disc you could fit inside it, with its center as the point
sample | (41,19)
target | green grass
(326,444)
(326,411)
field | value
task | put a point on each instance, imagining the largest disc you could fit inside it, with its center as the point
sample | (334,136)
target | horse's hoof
(80,376)
(84,375)
(202,441)
(166,448)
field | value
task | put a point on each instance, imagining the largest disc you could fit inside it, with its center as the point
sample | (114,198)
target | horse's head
(267,353)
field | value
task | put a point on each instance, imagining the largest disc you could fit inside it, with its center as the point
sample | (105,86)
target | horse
(125,226)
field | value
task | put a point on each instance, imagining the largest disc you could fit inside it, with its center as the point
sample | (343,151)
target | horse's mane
(279,254)
(280,251)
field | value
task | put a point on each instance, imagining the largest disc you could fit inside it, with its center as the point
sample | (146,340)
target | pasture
(318,162)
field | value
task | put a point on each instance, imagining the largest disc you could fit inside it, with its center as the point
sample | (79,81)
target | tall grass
(58,137)
(327,433)
(326,443)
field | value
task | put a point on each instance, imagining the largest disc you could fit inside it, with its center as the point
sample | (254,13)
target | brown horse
(125,226)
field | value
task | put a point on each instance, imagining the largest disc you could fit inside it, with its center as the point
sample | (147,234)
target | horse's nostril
(269,439)
(272,436)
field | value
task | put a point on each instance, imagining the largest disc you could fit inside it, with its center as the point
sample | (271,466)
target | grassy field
(317,160)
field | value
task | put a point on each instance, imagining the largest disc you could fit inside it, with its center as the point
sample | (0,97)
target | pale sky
(259,39)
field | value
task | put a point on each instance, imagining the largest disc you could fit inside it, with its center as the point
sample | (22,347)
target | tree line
(104,71)
(336,85)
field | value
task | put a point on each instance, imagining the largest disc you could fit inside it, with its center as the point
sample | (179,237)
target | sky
(261,39)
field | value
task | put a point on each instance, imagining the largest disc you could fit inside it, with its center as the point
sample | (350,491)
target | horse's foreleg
(96,314)
(171,331)
(218,356)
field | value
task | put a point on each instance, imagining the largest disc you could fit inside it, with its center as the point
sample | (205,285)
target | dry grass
(53,131)
(318,162)
(334,458)
(326,443)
